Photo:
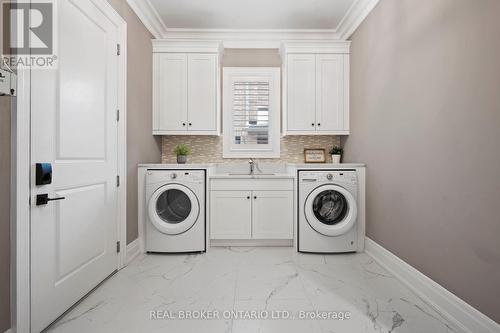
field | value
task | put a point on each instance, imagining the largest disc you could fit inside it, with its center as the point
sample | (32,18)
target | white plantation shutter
(251,112)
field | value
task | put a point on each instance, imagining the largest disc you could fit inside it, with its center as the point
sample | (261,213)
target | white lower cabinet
(231,215)
(254,212)
(272,215)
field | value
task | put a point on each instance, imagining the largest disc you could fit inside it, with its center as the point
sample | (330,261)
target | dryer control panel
(173,176)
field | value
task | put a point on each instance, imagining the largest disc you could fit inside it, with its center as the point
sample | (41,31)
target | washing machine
(175,207)
(328,210)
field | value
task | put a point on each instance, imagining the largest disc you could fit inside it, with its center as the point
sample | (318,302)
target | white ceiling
(251,14)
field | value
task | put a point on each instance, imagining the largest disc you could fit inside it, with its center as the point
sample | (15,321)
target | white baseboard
(9,331)
(251,242)
(447,304)
(133,250)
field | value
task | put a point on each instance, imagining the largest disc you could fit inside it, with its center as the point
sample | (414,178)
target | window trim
(273,75)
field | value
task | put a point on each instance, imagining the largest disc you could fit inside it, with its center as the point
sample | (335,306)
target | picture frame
(314,155)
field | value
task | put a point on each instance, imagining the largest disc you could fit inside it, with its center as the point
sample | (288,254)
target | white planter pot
(336,159)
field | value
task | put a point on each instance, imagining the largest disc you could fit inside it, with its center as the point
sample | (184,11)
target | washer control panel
(328,176)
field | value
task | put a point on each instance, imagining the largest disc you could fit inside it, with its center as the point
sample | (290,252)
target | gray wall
(142,147)
(425,107)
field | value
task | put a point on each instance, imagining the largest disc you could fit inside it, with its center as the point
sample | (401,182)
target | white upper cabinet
(170,92)
(301,106)
(316,89)
(331,114)
(202,92)
(185,88)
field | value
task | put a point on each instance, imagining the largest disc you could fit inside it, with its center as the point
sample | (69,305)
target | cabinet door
(272,215)
(230,215)
(330,92)
(202,92)
(301,97)
(170,92)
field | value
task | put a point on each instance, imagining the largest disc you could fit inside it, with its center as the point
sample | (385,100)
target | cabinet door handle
(319,124)
(190,124)
(248,197)
(255,197)
(183,124)
(312,124)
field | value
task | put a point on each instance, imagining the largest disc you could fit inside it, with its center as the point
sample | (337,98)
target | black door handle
(43,199)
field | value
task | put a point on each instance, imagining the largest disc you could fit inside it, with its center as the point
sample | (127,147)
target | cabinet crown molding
(186,46)
(309,47)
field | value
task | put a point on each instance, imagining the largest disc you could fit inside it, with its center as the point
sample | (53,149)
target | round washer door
(331,210)
(173,209)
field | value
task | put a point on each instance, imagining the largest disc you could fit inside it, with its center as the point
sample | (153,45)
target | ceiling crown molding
(241,35)
(356,14)
(358,11)
(149,17)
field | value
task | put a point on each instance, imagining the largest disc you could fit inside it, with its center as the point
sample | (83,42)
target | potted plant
(336,153)
(182,151)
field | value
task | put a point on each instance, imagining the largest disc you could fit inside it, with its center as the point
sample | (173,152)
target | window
(251,112)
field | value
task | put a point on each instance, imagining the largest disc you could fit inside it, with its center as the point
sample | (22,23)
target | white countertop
(174,166)
(286,171)
(294,165)
(327,165)
(254,176)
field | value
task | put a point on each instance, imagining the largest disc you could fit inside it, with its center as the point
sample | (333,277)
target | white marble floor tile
(244,289)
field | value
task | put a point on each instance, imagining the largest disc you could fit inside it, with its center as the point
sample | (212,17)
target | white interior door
(74,127)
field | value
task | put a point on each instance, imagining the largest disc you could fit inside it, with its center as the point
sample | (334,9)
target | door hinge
(118,247)
(117,115)
(117,181)
(118,49)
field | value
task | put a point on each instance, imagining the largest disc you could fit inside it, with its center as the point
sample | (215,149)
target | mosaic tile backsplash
(208,149)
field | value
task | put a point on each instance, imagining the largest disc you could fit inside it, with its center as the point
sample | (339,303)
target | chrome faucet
(252,165)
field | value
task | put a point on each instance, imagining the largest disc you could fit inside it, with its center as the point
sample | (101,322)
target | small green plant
(336,150)
(182,150)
